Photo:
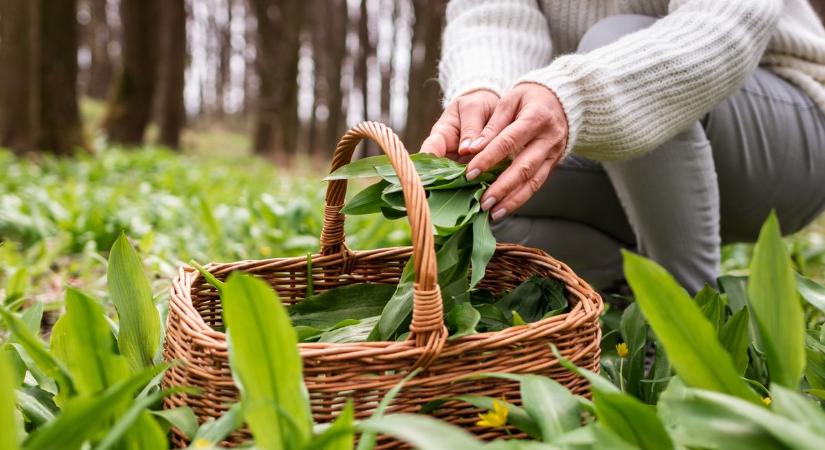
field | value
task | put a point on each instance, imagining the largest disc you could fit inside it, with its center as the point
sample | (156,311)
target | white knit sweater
(628,97)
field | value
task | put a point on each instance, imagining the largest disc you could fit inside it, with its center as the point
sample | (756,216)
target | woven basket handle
(427,327)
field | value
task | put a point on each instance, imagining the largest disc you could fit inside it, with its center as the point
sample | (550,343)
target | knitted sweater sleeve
(489,44)
(626,98)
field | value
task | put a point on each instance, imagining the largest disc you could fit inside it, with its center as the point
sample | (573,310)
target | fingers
(514,201)
(443,137)
(503,115)
(506,143)
(521,171)
(473,113)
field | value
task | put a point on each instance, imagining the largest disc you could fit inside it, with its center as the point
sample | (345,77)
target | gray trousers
(763,148)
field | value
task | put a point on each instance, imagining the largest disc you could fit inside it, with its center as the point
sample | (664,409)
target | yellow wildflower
(622,350)
(496,418)
(766,401)
(202,443)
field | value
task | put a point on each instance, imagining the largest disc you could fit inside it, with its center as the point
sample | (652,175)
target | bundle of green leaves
(464,247)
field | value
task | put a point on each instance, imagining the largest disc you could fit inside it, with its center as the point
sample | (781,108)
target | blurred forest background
(279,78)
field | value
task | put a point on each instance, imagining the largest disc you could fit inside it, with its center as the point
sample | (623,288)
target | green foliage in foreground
(57,216)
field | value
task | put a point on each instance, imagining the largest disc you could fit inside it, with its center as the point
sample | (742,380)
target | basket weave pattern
(365,371)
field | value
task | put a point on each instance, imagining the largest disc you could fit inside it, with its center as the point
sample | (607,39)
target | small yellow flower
(766,400)
(202,443)
(265,250)
(622,350)
(496,418)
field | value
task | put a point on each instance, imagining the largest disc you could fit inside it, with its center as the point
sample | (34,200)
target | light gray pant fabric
(762,148)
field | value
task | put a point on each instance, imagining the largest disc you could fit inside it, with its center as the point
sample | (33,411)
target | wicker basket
(366,371)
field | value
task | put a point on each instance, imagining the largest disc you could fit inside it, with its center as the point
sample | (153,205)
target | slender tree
(424,93)
(173,64)
(335,54)
(60,127)
(19,56)
(130,104)
(99,36)
(279,28)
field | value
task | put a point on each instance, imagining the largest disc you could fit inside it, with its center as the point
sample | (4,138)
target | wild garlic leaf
(368,201)
(484,245)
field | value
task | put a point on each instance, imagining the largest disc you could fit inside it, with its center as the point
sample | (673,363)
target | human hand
(528,125)
(460,123)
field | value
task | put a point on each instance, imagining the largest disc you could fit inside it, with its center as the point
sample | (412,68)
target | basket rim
(588,306)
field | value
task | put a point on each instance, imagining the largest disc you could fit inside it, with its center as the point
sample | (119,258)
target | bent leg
(670,195)
(769,149)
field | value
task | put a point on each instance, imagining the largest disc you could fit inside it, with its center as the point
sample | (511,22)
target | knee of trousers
(611,29)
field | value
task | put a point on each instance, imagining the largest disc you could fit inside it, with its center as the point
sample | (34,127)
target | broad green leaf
(37,405)
(462,320)
(736,288)
(705,419)
(273,396)
(129,289)
(688,337)
(796,407)
(214,431)
(484,245)
(82,417)
(355,301)
(631,419)
(550,405)
(368,201)
(398,309)
(33,316)
(338,436)
(633,329)
(712,306)
(448,206)
(83,341)
(422,432)
(516,416)
(138,426)
(357,332)
(660,377)
(735,338)
(182,418)
(594,436)
(362,168)
(811,291)
(145,434)
(775,306)
(8,423)
(35,349)
(535,299)
(815,367)
(16,286)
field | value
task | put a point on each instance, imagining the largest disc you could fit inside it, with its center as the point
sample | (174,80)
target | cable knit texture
(628,97)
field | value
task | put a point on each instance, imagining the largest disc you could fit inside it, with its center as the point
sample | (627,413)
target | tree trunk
(38,83)
(130,105)
(266,66)
(387,66)
(173,57)
(60,127)
(336,50)
(102,68)
(424,105)
(19,104)
(318,18)
(365,51)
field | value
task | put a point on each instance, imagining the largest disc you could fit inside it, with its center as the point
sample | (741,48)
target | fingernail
(476,143)
(464,144)
(488,203)
(473,173)
(499,213)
